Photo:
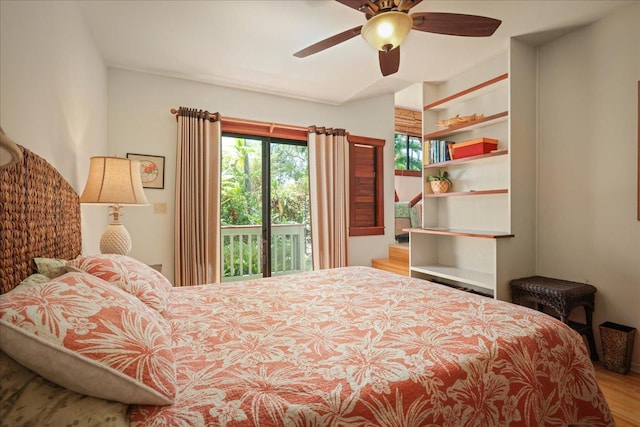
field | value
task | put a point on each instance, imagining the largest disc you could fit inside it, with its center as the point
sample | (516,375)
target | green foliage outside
(408,152)
(241,197)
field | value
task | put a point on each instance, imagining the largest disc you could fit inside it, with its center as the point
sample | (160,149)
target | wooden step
(399,253)
(398,261)
(392,265)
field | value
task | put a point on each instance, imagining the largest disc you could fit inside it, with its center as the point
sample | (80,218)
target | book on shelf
(437,151)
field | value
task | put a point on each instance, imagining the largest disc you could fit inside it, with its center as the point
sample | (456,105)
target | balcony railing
(242,244)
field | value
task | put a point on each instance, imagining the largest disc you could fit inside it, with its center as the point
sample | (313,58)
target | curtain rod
(289,131)
(271,126)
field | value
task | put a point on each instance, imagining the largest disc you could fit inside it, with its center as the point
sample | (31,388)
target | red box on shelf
(474,147)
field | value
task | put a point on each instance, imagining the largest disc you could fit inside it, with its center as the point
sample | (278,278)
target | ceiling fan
(388,24)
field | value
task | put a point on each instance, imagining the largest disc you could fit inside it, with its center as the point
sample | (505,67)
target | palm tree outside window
(408,152)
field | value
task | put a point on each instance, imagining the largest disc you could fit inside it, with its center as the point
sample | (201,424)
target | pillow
(133,276)
(37,278)
(90,337)
(29,399)
(51,267)
(34,279)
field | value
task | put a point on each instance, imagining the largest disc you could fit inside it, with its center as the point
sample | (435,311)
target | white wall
(53,93)
(140,122)
(410,97)
(407,187)
(588,142)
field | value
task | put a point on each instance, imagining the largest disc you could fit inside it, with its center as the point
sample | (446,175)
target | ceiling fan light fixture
(387,30)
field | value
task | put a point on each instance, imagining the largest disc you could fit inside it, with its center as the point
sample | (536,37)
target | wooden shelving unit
(471,241)
(462,275)
(473,91)
(465,127)
(483,234)
(467,159)
(468,193)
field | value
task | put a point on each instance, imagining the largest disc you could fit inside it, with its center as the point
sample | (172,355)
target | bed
(344,347)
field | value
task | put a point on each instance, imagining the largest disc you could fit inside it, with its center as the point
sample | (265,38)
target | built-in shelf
(466,159)
(461,275)
(459,245)
(476,124)
(467,193)
(461,232)
(472,92)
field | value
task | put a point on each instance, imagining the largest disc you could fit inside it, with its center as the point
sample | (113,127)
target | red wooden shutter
(366,192)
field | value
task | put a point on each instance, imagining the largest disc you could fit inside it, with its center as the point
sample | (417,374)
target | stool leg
(590,339)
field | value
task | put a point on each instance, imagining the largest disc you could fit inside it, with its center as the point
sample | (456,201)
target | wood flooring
(623,395)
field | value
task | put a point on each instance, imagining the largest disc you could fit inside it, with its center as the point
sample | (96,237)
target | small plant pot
(439,186)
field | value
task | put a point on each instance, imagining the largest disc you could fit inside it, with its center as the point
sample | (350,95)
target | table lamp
(116,182)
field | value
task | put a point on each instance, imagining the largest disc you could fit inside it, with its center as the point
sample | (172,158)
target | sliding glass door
(264,207)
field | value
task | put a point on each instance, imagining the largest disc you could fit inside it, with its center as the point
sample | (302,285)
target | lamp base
(115,239)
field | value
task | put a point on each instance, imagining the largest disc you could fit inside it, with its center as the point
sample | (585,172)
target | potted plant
(440,183)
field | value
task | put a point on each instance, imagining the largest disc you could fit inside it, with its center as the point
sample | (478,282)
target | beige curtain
(329,192)
(197,218)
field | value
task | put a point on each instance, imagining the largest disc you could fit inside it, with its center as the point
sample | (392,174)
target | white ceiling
(249,44)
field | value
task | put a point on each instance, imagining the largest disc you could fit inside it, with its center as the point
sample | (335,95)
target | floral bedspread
(362,347)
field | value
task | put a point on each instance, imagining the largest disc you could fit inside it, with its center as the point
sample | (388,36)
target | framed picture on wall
(151,169)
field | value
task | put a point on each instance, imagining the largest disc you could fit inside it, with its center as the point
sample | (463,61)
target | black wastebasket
(617,346)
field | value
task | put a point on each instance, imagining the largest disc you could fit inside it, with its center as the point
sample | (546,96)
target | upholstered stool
(561,295)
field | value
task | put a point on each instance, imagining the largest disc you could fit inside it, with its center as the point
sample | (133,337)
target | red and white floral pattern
(133,276)
(362,347)
(91,337)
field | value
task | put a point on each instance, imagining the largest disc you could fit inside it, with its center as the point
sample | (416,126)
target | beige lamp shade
(387,30)
(114,181)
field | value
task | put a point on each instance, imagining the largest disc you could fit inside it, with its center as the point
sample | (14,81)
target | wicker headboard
(39,217)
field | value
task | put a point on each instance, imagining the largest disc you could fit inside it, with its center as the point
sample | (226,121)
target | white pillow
(50,267)
(91,337)
(34,280)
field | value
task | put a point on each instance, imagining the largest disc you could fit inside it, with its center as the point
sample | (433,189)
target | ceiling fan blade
(389,61)
(455,24)
(329,42)
(405,5)
(365,6)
